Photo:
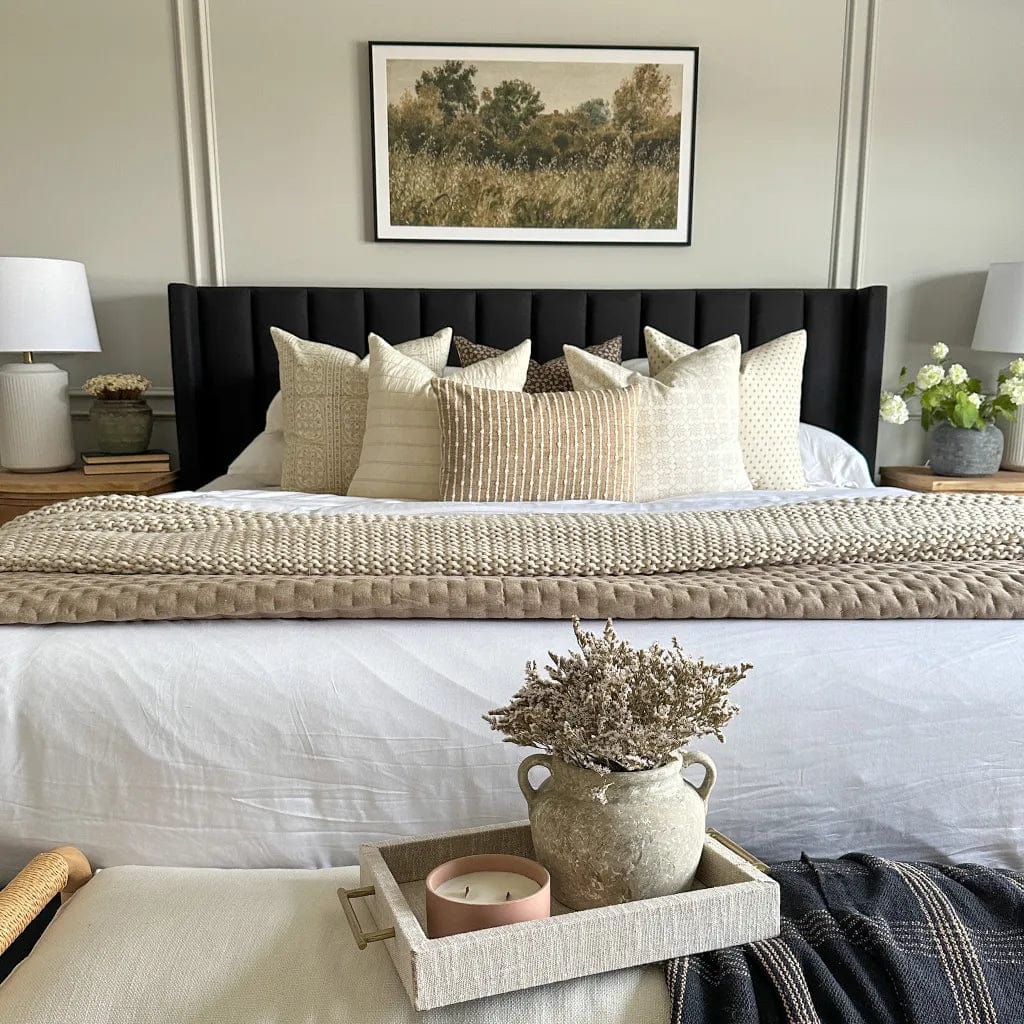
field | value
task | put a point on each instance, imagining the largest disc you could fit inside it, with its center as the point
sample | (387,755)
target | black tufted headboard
(225,365)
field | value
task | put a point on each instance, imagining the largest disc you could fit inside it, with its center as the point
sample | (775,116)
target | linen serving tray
(733,902)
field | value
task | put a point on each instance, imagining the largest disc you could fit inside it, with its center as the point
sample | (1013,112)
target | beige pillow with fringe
(550,446)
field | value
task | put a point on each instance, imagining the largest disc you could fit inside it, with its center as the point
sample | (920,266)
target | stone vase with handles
(614,837)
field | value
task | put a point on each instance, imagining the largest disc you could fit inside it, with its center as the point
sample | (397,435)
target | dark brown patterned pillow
(550,376)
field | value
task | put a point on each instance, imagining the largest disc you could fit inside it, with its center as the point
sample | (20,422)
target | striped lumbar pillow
(557,446)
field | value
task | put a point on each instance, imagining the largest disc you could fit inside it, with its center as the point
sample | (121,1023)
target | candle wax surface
(487,887)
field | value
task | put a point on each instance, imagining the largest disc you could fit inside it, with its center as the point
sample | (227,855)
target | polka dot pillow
(771,379)
(550,376)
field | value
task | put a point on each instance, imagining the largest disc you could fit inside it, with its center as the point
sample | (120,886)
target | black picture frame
(683,58)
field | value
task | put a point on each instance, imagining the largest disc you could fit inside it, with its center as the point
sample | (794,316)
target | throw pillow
(687,430)
(771,379)
(323,395)
(401,455)
(550,376)
(508,446)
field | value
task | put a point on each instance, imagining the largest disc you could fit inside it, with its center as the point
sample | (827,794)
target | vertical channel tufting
(225,369)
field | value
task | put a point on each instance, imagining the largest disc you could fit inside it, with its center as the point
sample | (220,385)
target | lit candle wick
(465,895)
(508,895)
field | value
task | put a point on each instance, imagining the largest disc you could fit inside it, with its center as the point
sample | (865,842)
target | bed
(287,742)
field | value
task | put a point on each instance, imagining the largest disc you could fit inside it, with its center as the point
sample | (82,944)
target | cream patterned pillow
(552,446)
(401,455)
(323,397)
(771,379)
(687,430)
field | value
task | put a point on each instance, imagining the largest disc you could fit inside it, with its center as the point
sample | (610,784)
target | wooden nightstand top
(920,478)
(73,483)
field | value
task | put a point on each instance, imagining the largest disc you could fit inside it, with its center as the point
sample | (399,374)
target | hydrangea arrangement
(110,387)
(952,395)
(610,707)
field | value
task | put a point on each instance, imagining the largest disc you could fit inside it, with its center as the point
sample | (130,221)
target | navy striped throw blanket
(870,941)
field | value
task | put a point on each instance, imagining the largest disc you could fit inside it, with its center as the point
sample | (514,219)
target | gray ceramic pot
(121,426)
(958,451)
(611,838)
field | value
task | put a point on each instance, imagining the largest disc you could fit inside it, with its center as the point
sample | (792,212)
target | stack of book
(102,463)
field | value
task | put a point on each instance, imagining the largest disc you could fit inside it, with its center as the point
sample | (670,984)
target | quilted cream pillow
(401,455)
(687,429)
(771,379)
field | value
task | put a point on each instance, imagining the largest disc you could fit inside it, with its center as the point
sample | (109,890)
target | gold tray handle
(739,851)
(362,938)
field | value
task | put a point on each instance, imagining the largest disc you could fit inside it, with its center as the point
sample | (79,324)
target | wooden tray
(733,902)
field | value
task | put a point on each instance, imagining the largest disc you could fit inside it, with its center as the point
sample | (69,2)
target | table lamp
(44,307)
(1000,328)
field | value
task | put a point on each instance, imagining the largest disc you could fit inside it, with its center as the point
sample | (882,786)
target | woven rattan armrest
(64,870)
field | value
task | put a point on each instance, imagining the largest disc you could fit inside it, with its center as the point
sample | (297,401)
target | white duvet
(269,743)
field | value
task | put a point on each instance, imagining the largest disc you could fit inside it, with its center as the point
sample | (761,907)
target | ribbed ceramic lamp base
(35,418)
(1013,447)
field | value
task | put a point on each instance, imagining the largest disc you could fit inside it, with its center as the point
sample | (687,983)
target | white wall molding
(198,130)
(853,139)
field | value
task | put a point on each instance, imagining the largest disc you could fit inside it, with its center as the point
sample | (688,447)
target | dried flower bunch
(117,386)
(610,707)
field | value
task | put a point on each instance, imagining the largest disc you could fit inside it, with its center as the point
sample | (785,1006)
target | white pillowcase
(687,430)
(829,461)
(771,380)
(401,455)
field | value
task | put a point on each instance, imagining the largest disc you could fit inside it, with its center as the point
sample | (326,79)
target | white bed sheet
(272,743)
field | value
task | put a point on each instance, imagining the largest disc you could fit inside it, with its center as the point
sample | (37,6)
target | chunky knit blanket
(125,558)
(870,941)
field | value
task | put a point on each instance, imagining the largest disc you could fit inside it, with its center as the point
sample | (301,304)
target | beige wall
(95,163)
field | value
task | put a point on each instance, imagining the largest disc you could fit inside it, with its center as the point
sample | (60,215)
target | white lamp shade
(1000,326)
(45,306)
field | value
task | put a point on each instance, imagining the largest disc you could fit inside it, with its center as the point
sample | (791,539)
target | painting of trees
(471,146)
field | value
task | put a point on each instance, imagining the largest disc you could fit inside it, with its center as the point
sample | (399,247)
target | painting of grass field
(495,147)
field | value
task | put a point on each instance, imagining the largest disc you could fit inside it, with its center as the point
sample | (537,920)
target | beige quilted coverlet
(123,558)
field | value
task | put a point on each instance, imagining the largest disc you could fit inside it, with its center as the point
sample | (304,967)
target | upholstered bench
(195,945)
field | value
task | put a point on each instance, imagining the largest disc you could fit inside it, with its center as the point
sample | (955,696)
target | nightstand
(20,492)
(920,478)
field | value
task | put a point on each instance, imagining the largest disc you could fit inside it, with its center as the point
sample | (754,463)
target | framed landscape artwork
(482,143)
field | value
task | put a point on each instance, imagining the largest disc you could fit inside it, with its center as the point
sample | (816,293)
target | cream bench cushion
(208,946)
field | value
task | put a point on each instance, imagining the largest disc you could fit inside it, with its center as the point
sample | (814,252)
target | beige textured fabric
(509,446)
(123,557)
(323,405)
(401,455)
(687,429)
(771,379)
(550,376)
(207,946)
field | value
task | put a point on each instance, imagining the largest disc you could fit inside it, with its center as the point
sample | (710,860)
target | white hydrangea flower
(939,351)
(957,373)
(975,400)
(893,409)
(929,375)
(1017,368)
(1014,388)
